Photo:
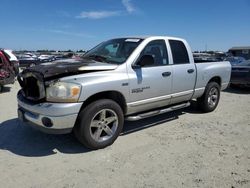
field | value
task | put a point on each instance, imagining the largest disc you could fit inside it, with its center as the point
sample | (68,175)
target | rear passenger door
(184,72)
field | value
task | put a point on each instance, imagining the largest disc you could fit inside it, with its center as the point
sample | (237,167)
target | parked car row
(205,57)
(29,59)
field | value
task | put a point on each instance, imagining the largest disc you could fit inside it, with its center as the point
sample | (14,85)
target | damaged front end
(34,80)
(33,86)
(49,103)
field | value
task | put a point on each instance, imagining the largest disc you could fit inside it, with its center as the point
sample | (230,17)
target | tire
(1,88)
(99,124)
(210,99)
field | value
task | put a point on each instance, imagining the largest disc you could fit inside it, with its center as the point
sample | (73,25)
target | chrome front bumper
(53,118)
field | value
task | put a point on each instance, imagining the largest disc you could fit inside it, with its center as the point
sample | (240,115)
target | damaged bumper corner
(52,118)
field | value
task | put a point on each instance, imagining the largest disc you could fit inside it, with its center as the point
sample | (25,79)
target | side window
(179,52)
(158,50)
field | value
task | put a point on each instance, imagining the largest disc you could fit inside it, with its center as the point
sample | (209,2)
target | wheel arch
(112,95)
(216,79)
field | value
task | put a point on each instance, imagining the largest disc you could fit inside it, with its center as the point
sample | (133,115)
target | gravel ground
(181,149)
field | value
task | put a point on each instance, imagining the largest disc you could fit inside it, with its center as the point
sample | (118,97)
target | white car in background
(46,58)
(31,55)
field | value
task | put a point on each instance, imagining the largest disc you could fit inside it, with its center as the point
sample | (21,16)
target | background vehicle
(124,78)
(46,58)
(235,60)
(27,61)
(59,57)
(7,72)
(205,57)
(241,74)
(31,55)
(13,59)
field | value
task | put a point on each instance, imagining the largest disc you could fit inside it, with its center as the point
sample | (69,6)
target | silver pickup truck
(120,79)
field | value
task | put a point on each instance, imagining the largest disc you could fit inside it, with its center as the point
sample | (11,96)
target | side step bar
(156,112)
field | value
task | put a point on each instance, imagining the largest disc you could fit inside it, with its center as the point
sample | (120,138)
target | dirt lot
(180,149)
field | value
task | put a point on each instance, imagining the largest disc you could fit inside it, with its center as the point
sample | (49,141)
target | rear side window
(179,52)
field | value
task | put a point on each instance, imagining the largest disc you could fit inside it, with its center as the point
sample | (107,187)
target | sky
(82,24)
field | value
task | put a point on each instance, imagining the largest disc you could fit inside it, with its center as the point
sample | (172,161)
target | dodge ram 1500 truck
(120,79)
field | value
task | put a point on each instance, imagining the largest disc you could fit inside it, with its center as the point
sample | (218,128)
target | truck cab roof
(152,36)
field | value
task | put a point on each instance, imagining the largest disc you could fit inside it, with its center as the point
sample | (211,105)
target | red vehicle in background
(13,60)
(7,70)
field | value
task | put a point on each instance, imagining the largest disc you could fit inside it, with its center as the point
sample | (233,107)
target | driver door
(151,85)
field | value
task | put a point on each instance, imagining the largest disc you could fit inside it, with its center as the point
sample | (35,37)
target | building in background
(243,51)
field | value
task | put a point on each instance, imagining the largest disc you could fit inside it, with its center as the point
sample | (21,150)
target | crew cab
(120,79)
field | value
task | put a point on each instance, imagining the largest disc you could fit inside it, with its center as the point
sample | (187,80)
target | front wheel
(99,124)
(210,99)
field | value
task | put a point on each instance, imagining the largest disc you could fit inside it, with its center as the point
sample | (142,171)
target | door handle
(166,74)
(190,71)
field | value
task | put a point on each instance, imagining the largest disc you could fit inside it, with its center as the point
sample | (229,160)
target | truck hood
(61,68)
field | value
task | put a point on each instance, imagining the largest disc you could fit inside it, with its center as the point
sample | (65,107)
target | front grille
(31,89)
(32,86)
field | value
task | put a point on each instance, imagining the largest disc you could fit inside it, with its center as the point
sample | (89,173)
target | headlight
(63,92)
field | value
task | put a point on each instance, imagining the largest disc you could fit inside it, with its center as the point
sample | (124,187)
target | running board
(156,112)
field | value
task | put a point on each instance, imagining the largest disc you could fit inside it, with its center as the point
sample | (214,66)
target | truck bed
(207,70)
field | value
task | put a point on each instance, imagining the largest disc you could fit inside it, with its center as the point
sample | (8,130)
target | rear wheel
(99,124)
(210,99)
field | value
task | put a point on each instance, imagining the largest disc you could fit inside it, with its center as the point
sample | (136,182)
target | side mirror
(145,60)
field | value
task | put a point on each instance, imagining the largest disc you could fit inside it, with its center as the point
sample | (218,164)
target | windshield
(114,51)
